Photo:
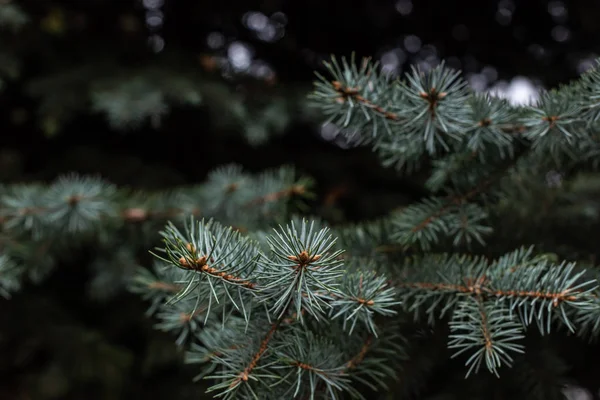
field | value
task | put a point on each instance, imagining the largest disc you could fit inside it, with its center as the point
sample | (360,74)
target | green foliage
(273,305)
(474,147)
(283,296)
(11,276)
(132,97)
(12,17)
(45,224)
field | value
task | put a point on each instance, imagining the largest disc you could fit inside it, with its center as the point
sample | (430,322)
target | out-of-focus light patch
(240,56)
(478,82)
(508,4)
(554,179)
(391,61)
(279,18)
(329,131)
(490,73)
(404,7)
(500,89)
(260,69)
(156,43)
(560,33)
(343,142)
(573,392)
(520,91)
(153,4)
(428,50)
(586,63)
(266,29)
(423,65)
(430,54)
(332,133)
(412,43)
(504,16)
(426,65)
(154,18)
(270,34)
(427,58)
(557,9)
(255,21)
(215,40)
(154,21)
(460,32)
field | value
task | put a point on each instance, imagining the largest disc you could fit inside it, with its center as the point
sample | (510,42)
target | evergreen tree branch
(244,375)
(307,311)
(488,331)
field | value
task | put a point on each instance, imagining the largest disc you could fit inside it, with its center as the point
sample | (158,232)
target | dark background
(514,38)
(547,42)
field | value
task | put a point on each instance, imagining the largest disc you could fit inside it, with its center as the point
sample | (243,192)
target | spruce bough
(316,314)
(311,311)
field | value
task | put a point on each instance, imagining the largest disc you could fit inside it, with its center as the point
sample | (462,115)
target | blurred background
(155,93)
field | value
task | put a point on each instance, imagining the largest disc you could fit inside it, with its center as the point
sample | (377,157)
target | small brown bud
(303,257)
(74,199)
(201,261)
(298,189)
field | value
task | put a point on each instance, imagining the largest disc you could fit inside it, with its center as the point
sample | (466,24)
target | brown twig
(295,190)
(347,92)
(478,287)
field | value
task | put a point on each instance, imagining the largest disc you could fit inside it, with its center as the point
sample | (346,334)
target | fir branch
(244,375)
(203,246)
(164,286)
(363,90)
(542,290)
(309,313)
(10,276)
(366,294)
(351,92)
(374,360)
(325,384)
(295,190)
(360,356)
(301,267)
(421,223)
(130,214)
(486,330)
